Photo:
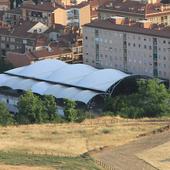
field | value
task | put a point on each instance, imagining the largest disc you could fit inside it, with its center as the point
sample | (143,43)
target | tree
(31,109)
(151,100)
(155,98)
(108,104)
(6,118)
(70,110)
(50,107)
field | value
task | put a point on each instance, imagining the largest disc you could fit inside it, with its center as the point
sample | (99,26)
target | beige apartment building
(152,10)
(52,13)
(137,48)
(76,15)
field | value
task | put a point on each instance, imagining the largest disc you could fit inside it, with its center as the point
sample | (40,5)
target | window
(7,45)
(2,38)
(12,39)
(96,33)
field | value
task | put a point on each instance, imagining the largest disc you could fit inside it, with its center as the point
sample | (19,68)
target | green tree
(155,98)
(70,111)
(31,109)
(6,118)
(151,100)
(50,107)
(108,103)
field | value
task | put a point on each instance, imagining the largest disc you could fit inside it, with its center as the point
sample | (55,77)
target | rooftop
(20,30)
(45,6)
(131,27)
(62,80)
(134,7)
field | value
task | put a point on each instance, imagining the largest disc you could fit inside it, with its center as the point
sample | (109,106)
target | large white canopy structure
(78,82)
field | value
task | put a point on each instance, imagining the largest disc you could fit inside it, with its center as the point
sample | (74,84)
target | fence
(105,166)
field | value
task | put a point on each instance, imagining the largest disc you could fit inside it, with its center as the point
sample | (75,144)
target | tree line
(35,109)
(152,99)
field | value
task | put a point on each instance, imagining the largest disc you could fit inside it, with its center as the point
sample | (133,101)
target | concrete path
(124,157)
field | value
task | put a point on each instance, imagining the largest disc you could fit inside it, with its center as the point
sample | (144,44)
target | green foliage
(31,109)
(5,117)
(81,115)
(50,108)
(151,100)
(70,111)
(108,103)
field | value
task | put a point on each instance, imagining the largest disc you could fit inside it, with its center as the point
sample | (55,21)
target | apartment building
(26,36)
(152,10)
(76,15)
(54,13)
(12,16)
(43,12)
(134,47)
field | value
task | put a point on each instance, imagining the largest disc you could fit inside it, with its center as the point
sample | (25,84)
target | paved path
(123,157)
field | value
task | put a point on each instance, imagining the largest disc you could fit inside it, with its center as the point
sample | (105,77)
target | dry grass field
(66,139)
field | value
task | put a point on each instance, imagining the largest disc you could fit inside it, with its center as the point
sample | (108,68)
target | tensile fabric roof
(77,82)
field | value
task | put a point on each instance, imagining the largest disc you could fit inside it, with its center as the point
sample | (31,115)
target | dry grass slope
(71,139)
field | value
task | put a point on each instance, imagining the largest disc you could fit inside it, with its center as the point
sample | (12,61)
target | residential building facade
(153,11)
(76,15)
(135,48)
(21,38)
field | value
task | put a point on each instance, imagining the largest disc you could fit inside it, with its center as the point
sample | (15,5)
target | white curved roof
(74,75)
(3,78)
(77,82)
(44,88)
(40,87)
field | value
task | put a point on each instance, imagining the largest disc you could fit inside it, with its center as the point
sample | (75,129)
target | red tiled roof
(18,59)
(21,30)
(81,5)
(133,28)
(134,7)
(45,6)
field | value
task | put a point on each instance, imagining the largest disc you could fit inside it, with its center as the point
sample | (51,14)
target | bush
(151,100)
(106,131)
(6,118)
(70,111)
(31,109)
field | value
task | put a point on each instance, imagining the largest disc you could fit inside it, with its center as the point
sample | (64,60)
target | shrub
(6,118)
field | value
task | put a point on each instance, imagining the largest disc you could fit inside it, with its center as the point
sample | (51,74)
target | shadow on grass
(64,163)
